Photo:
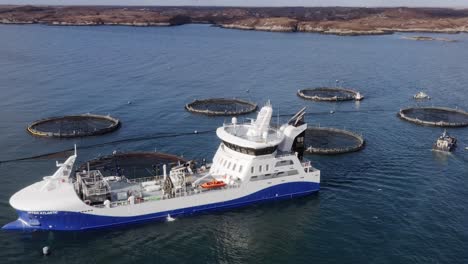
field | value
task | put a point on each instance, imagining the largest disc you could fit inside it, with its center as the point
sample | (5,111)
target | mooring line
(142,138)
(169,135)
(341,111)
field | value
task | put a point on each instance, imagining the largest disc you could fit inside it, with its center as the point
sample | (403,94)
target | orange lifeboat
(213,184)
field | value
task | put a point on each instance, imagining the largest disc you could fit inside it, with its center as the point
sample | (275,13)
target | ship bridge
(254,138)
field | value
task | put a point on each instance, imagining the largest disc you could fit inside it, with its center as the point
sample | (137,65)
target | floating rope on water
(142,138)
(65,152)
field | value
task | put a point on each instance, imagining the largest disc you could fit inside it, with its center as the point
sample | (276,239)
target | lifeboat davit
(213,184)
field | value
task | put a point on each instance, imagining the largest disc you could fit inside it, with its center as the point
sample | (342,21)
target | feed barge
(254,163)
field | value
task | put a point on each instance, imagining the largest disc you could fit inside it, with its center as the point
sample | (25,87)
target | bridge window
(260,168)
(252,169)
(266,167)
(250,151)
(234,167)
(240,168)
(284,163)
(280,174)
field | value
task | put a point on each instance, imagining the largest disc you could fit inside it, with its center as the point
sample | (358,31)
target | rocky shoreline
(326,20)
(425,38)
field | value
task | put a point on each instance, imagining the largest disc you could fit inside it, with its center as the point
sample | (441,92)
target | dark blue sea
(395,201)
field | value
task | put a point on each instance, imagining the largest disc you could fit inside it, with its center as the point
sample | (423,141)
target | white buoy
(129,102)
(169,218)
(196,132)
(45,251)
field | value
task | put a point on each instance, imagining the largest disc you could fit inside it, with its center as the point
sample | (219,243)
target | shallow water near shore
(393,202)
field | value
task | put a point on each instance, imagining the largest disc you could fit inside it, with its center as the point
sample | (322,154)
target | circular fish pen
(221,106)
(329,94)
(133,164)
(435,116)
(331,141)
(74,126)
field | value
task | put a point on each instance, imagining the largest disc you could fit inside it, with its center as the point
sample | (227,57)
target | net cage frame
(335,151)
(353,94)
(190,106)
(401,114)
(103,161)
(115,124)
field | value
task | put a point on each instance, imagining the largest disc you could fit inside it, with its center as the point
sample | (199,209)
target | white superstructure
(254,162)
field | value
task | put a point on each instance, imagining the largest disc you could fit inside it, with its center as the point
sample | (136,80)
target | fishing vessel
(254,163)
(445,142)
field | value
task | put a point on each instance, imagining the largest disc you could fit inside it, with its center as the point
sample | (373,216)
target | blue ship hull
(70,221)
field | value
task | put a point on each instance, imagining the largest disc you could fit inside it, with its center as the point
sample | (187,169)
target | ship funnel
(294,133)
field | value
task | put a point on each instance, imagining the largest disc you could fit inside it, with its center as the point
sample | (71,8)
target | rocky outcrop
(425,38)
(12,21)
(326,20)
(277,24)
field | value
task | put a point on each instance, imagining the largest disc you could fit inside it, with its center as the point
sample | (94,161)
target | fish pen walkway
(74,126)
(329,94)
(221,106)
(435,116)
(331,141)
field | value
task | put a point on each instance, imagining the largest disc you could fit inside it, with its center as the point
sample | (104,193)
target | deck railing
(145,179)
(177,195)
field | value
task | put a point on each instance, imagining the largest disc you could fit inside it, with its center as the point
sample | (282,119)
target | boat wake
(169,218)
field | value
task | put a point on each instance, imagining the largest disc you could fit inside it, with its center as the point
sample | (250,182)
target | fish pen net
(133,164)
(74,126)
(329,141)
(435,116)
(221,106)
(327,94)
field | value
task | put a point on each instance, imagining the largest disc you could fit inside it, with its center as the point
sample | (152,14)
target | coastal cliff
(326,20)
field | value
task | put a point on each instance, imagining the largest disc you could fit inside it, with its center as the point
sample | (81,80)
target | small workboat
(445,143)
(421,95)
(358,96)
(213,184)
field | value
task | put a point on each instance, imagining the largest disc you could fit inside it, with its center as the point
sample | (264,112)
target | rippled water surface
(393,202)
